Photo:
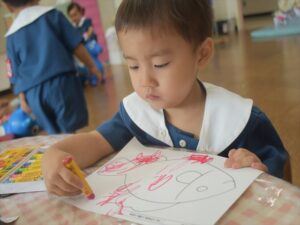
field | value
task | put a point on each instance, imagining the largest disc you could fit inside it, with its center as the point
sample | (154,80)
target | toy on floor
(94,49)
(19,124)
(286,21)
(288,13)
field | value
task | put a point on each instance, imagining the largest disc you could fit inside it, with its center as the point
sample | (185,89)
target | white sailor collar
(80,22)
(27,16)
(225,116)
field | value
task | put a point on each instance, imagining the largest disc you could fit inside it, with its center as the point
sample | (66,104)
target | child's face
(75,15)
(163,67)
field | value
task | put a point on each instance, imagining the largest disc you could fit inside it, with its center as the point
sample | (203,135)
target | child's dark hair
(192,19)
(75,5)
(17,3)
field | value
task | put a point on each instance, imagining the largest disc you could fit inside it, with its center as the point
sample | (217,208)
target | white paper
(167,187)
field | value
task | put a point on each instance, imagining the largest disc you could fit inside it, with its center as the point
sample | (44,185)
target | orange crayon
(70,164)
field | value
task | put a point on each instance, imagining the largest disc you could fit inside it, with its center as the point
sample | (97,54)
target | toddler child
(85,27)
(167,44)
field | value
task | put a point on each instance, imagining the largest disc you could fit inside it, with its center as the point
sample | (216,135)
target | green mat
(270,32)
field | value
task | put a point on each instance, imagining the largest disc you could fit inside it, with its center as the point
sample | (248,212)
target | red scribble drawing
(121,206)
(199,158)
(141,159)
(191,178)
(113,167)
(160,181)
(122,190)
(123,166)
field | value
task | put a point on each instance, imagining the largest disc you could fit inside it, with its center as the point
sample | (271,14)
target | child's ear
(205,52)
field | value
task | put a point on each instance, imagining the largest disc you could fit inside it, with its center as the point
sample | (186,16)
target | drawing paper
(167,187)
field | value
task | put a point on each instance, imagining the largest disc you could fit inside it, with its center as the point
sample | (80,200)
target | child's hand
(58,179)
(95,71)
(239,158)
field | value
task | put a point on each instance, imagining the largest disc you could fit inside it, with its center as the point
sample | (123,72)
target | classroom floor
(266,71)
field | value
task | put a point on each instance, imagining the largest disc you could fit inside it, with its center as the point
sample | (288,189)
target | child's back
(40,47)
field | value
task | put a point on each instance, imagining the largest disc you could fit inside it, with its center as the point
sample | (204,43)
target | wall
(229,10)
(2,30)
(108,11)
(4,82)
(258,6)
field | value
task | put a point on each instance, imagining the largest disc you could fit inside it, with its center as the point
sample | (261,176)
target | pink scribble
(122,190)
(160,181)
(145,159)
(199,158)
(121,206)
(112,167)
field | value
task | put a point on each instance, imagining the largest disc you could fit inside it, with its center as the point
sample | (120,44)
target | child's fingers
(259,166)
(71,179)
(231,153)
(65,186)
(59,192)
(59,187)
(230,160)
(239,158)
(228,163)
(234,158)
(246,161)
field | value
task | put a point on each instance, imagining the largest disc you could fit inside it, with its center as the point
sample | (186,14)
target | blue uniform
(229,122)
(83,27)
(93,48)
(40,45)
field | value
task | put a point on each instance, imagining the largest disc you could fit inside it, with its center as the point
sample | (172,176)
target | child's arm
(85,149)
(241,157)
(83,55)
(23,103)
(88,33)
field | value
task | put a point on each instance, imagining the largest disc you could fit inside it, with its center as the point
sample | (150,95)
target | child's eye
(133,67)
(161,65)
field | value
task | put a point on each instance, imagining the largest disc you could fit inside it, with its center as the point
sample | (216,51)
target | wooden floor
(266,71)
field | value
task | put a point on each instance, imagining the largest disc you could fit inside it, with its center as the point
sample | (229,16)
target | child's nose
(147,78)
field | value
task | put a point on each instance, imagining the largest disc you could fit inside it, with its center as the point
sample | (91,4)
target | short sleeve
(115,130)
(88,23)
(70,36)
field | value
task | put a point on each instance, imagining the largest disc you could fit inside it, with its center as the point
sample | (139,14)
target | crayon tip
(67,160)
(91,196)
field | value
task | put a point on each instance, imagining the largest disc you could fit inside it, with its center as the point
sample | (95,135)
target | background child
(40,47)
(85,27)
(167,44)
